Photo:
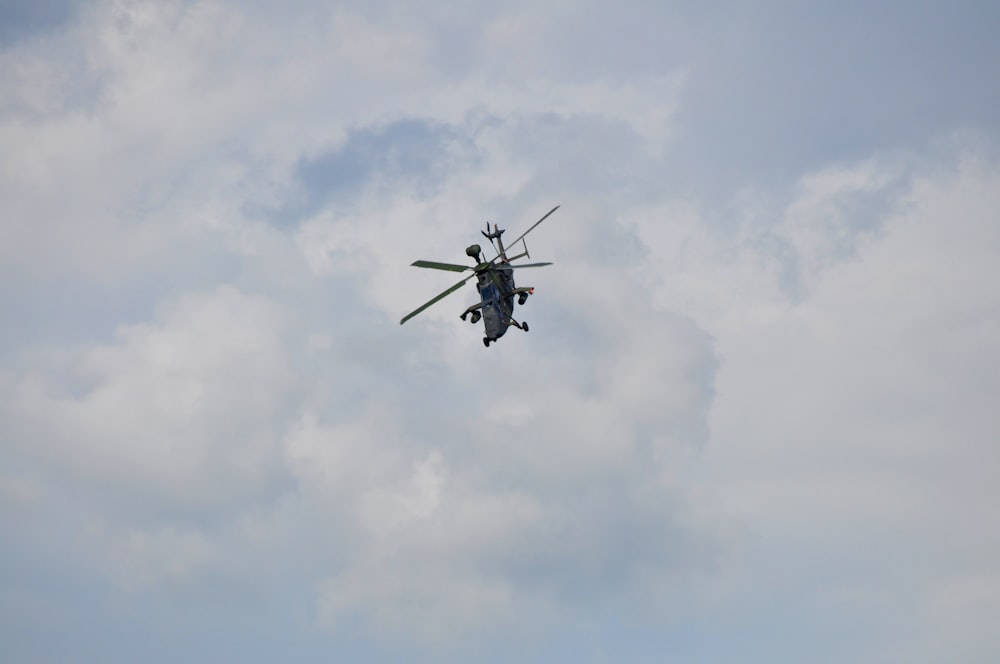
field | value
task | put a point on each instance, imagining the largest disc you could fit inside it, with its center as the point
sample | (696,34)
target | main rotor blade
(451,267)
(533,226)
(513,266)
(435,299)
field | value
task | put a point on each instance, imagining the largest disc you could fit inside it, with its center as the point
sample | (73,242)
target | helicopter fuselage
(496,295)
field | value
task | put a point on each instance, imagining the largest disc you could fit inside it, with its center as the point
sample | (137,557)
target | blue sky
(755,417)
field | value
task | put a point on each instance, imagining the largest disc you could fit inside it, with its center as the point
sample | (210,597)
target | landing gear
(486,341)
(522,298)
(521,326)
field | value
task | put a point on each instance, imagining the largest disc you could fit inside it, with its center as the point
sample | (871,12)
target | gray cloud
(409,153)
(776,92)
(20,20)
(756,395)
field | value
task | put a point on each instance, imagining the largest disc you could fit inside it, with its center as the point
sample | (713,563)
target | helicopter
(495,282)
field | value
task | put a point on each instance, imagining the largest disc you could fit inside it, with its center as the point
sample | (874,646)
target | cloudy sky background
(755,418)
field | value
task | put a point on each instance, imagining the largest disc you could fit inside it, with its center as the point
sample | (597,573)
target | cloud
(168,410)
(857,427)
(755,399)
(476,511)
(21,20)
(773,94)
(409,153)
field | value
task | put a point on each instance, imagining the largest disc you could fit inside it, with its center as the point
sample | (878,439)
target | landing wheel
(524,326)
(486,341)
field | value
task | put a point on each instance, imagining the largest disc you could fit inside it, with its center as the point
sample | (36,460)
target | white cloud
(184,410)
(854,429)
(776,417)
(141,559)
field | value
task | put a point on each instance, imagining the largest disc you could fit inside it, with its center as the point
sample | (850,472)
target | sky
(755,417)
